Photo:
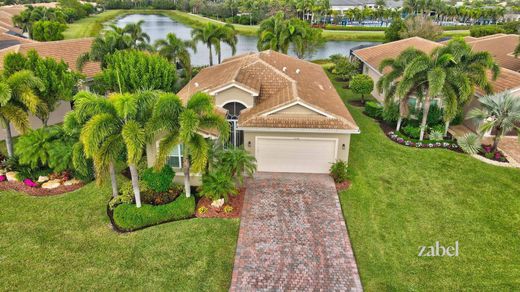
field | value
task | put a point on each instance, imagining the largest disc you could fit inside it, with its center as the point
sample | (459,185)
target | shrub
(435,115)
(480,31)
(236,162)
(127,189)
(159,181)
(338,171)
(373,109)
(202,210)
(121,199)
(217,185)
(128,217)
(27,172)
(412,131)
(436,136)
(470,143)
(162,198)
(228,209)
(362,84)
(45,30)
(391,112)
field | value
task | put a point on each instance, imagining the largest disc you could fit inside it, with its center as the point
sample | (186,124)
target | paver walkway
(293,237)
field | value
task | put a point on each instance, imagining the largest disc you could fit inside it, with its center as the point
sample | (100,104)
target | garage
(295,154)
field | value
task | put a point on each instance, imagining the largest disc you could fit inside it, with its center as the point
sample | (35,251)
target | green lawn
(66,243)
(91,26)
(402,198)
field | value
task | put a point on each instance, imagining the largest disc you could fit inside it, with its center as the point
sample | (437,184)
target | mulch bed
(343,186)
(235,201)
(37,192)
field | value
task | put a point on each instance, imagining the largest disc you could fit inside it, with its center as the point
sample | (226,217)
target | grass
(66,243)
(91,26)
(402,198)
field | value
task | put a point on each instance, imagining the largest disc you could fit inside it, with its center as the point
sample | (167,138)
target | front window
(233,112)
(175,157)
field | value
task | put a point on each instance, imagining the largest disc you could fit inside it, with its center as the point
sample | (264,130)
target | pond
(158,26)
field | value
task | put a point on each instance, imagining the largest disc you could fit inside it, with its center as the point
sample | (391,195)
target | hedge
(127,217)
(374,109)
(355,28)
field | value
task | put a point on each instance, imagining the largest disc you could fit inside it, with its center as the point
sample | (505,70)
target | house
(283,110)
(501,47)
(343,5)
(66,50)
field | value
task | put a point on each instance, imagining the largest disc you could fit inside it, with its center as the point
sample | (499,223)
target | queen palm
(17,100)
(122,122)
(499,113)
(184,126)
(228,35)
(176,51)
(275,34)
(138,38)
(209,36)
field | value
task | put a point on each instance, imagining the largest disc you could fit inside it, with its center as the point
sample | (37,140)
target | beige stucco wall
(234,94)
(375,76)
(297,110)
(55,117)
(342,139)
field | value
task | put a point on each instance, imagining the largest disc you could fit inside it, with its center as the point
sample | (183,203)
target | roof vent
(196,84)
(284,69)
(297,71)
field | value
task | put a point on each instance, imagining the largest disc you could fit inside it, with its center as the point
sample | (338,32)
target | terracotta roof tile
(501,46)
(279,79)
(67,50)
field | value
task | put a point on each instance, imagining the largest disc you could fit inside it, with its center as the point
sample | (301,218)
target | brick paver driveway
(293,237)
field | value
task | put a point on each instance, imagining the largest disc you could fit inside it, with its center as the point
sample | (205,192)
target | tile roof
(507,80)
(279,80)
(67,50)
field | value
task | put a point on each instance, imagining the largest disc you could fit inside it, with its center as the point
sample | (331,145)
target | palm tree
(176,51)
(138,38)
(228,35)
(274,34)
(17,99)
(236,162)
(208,35)
(122,123)
(184,126)
(449,73)
(499,113)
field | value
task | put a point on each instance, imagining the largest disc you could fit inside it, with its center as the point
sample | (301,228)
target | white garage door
(287,154)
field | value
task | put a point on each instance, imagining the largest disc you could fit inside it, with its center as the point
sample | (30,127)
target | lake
(158,26)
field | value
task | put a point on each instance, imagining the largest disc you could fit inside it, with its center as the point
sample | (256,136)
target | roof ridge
(56,42)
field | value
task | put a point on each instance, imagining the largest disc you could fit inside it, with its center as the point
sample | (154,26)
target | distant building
(343,5)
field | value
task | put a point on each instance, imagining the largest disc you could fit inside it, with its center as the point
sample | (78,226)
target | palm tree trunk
(210,55)
(399,121)
(135,185)
(186,167)
(426,110)
(446,128)
(496,140)
(113,180)
(219,56)
(8,138)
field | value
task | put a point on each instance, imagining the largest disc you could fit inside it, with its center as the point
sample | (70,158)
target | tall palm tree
(499,113)
(208,35)
(176,51)
(122,122)
(17,100)
(228,35)
(184,126)
(138,38)
(275,34)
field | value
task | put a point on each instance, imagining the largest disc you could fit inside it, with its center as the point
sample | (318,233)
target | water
(158,26)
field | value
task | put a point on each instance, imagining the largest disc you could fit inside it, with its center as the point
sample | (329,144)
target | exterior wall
(234,94)
(55,117)
(296,110)
(343,139)
(375,76)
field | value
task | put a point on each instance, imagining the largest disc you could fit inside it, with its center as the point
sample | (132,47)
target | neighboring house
(283,110)
(501,47)
(343,5)
(67,50)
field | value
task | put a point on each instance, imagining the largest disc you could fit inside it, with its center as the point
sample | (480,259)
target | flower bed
(47,186)
(417,144)
(343,186)
(205,210)
(497,155)
(126,217)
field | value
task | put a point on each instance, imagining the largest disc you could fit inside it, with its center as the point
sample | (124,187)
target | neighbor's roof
(507,80)
(501,46)
(67,50)
(277,80)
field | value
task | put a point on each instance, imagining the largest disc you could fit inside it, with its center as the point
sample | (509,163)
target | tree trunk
(186,164)
(113,180)
(399,121)
(210,56)
(8,138)
(135,185)
(426,110)
(446,128)
(496,140)
(219,56)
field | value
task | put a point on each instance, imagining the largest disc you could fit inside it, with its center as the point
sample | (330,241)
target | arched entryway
(236,137)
